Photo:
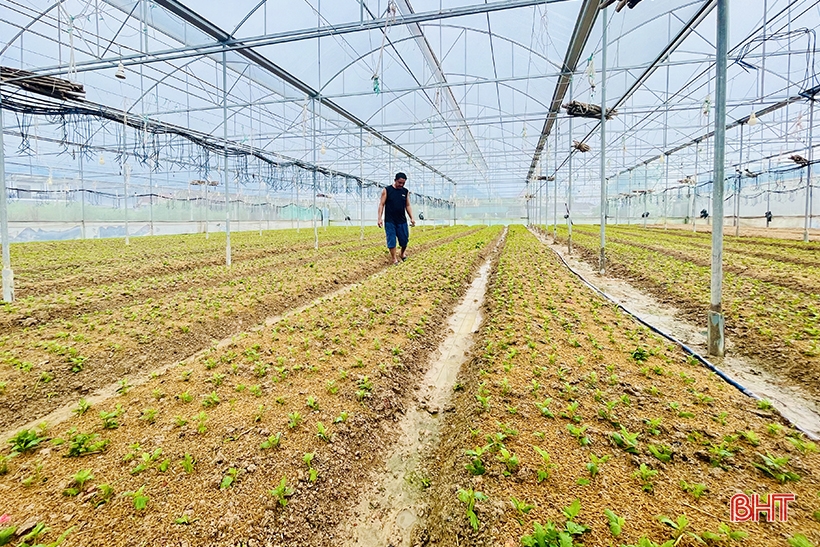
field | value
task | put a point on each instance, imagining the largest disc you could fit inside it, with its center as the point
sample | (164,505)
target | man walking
(394,202)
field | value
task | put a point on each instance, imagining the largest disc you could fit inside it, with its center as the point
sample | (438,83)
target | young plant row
(575,425)
(46,366)
(763,319)
(800,273)
(268,438)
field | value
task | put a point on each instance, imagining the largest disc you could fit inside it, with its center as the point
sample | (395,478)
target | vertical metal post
(361,184)
(8,273)
(695,188)
(455,211)
(666,190)
(569,176)
(645,192)
(82,194)
(315,172)
(225,159)
(629,200)
(737,186)
(150,199)
(807,220)
(716,340)
(555,187)
(602,253)
(207,207)
(126,174)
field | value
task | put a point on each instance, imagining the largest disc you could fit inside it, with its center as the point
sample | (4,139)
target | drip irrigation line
(689,351)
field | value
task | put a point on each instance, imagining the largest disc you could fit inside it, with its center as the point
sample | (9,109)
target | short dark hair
(400,175)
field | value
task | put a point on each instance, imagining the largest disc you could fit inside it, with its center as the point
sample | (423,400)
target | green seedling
(616,523)
(765,404)
(312,403)
(802,445)
(661,452)
(188,462)
(546,467)
(211,400)
(201,418)
(294,419)
(476,466)
(83,444)
(82,407)
(331,387)
(571,412)
(774,429)
(185,519)
(544,408)
(149,415)
(653,425)
(322,432)
(25,441)
(679,527)
(625,440)
(645,474)
(469,497)
(696,490)
(483,402)
(229,478)
(139,498)
(282,492)
(578,433)
(509,459)
(640,355)
(594,464)
(272,441)
(750,437)
(522,507)
(109,419)
(78,482)
(185,397)
(724,535)
(124,386)
(341,418)
(799,540)
(775,467)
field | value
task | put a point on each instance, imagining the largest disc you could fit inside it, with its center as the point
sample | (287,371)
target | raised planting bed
(768,320)
(153,322)
(575,425)
(267,440)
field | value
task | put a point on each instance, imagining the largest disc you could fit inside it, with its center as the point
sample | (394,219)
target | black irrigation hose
(744,390)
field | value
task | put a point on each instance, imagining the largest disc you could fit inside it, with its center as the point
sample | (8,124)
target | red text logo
(744,508)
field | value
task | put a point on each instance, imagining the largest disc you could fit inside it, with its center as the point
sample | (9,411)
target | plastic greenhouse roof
(460,99)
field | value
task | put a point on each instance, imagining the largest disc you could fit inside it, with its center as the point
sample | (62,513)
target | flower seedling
(661,452)
(645,474)
(322,432)
(476,466)
(571,412)
(149,415)
(521,507)
(544,408)
(272,441)
(594,464)
(469,497)
(725,534)
(25,440)
(210,400)
(82,444)
(78,482)
(616,523)
(341,418)
(201,418)
(308,459)
(696,490)
(185,397)
(294,419)
(139,498)
(82,407)
(282,492)
(312,403)
(625,440)
(109,419)
(578,433)
(188,462)
(509,459)
(546,467)
(775,467)
(229,478)
(653,426)
(679,527)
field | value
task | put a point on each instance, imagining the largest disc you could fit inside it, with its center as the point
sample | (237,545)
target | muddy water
(388,512)
(793,401)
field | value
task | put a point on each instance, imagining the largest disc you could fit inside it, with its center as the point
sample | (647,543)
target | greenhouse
(409,273)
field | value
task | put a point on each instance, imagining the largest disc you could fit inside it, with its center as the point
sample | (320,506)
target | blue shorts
(396,231)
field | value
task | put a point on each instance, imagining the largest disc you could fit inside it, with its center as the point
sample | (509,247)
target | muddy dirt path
(389,511)
(793,401)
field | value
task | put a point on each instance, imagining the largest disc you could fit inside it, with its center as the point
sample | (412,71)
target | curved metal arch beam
(29,25)
(359,58)
(248,16)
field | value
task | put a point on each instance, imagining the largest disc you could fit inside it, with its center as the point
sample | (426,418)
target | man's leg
(403,235)
(390,234)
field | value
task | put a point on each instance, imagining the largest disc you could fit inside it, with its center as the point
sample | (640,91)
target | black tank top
(395,204)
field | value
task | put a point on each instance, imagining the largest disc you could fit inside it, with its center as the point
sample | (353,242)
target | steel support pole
(807,220)
(8,273)
(126,174)
(716,340)
(555,190)
(315,172)
(569,175)
(645,192)
(666,190)
(361,185)
(695,188)
(602,253)
(225,159)
(207,206)
(737,187)
(82,194)
(455,207)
